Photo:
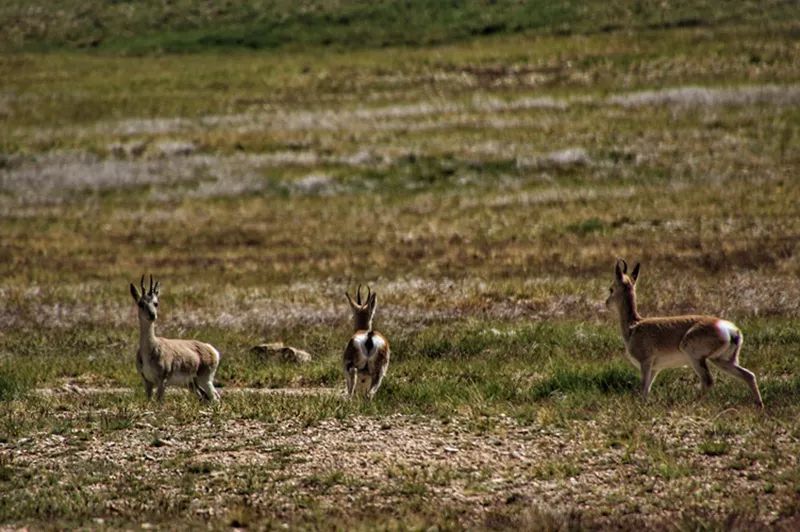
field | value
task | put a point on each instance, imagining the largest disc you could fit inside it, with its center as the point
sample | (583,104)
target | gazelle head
(624,286)
(363,312)
(147,301)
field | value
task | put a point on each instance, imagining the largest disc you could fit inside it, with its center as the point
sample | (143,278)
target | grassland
(482,182)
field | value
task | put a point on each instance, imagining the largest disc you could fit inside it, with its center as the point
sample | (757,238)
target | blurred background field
(480,165)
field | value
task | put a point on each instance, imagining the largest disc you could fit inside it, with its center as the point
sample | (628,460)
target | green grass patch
(614,379)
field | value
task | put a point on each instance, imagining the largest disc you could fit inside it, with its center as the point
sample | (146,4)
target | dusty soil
(504,474)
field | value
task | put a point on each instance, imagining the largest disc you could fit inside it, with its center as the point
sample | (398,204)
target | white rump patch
(217,356)
(360,339)
(727,330)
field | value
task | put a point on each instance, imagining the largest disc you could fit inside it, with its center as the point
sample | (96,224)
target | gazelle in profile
(177,362)
(653,344)
(366,357)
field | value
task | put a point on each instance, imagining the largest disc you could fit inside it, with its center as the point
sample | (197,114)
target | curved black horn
(369,292)
(142,283)
(151,284)
(624,266)
(155,288)
(358,295)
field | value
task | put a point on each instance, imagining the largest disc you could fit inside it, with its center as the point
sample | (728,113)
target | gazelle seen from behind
(161,361)
(366,357)
(653,344)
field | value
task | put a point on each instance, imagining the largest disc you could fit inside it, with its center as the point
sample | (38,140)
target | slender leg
(701,368)
(378,367)
(207,385)
(350,380)
(148,388)
(732,367)
(194,386)
(647,378)
(160,390)
(377,378)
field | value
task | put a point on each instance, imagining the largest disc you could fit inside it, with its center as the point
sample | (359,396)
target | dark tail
(736,338)
(369,344)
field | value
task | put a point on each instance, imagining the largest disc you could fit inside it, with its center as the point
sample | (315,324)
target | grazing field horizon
(481,166)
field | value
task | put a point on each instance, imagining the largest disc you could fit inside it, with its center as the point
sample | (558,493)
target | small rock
(278,352)
(160,442)
(127,149)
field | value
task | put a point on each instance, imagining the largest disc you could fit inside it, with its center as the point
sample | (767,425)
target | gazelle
(178,362)
(366,357)
(653,344)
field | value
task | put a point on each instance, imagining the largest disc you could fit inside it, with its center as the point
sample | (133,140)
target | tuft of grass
(714,448)
(120,418)
(13,385)
(556,470)
(585,380)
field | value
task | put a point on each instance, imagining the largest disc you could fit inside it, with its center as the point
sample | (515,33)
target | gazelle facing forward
(178,362)
(653,344)
(366,357)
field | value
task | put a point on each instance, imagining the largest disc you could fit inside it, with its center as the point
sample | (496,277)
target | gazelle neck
(362,323)
(628,315)
(147,334)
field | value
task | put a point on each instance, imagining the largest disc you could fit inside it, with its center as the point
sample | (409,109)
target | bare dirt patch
(383,462)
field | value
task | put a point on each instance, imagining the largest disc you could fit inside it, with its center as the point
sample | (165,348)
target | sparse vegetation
(514,152)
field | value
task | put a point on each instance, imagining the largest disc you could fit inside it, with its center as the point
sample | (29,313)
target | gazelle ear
(135,294)
(157,287)
(350,300)
(373,303)
(618,271)
(635,272)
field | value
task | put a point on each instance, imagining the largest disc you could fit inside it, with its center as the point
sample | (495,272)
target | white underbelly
(673,359)
(664,360)
(151,374)
(180,379)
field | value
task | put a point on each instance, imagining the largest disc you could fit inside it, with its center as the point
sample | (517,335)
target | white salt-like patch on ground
(565,158)
(489,104)
(569,157)
(49,177)
(708,97)
(327,119)
(413,115)
(173,148)
(314,184)
(46,178)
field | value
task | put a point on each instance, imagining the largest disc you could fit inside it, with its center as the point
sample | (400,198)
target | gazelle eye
(155,304)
